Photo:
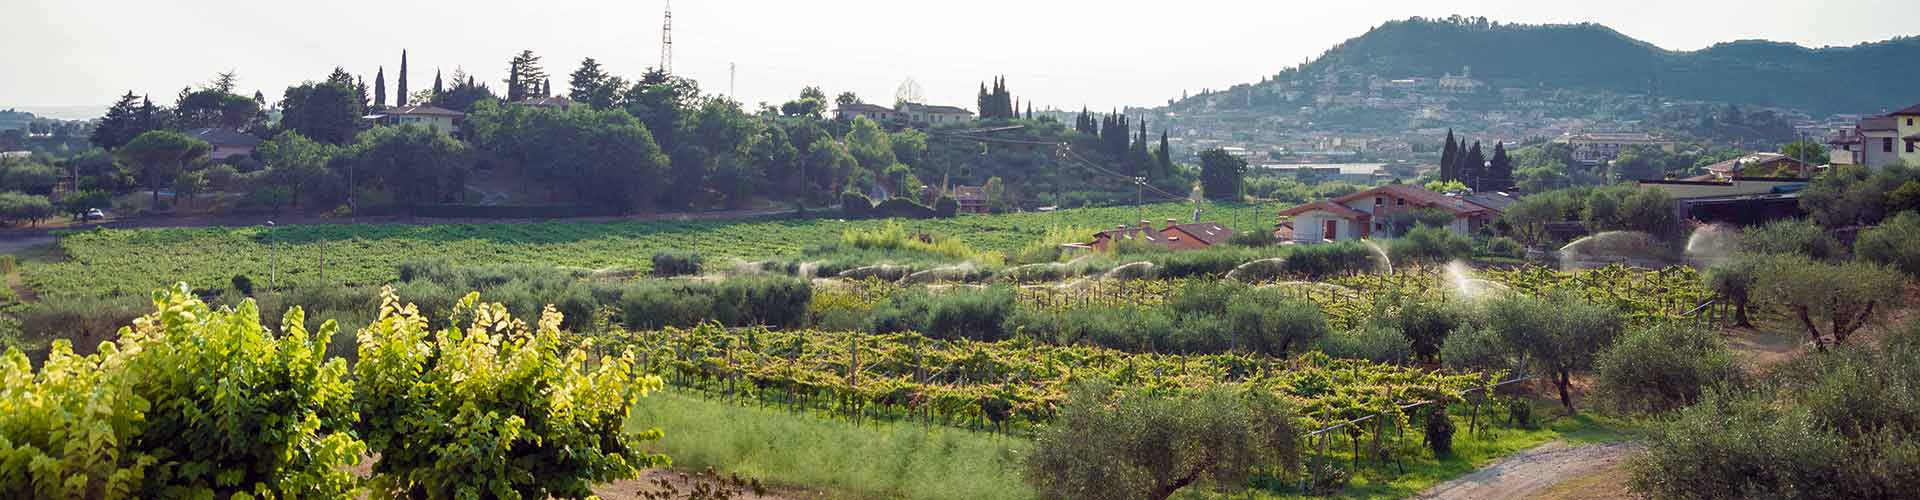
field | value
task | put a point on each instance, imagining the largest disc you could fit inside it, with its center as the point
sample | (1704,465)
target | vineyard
(110,261)
(1004,385)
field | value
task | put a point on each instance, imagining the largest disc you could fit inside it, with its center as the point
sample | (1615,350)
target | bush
(668,263)
(1835,425)
(497,410)
(1895,242)
(1663,368)
(1431,245)
(946,207)
(85,321)
(745,301)
(1254,239)
(1318,261)
(243,284)
(1790,237)
(1132,445)
(855,206)
(1506,247)
(1472,348)
(192,402)
(951,314)
(1269,321)
(902,208)
(1378,343)
(1559,334)
(1425,325)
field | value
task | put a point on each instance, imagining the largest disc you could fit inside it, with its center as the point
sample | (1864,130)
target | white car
(93,214)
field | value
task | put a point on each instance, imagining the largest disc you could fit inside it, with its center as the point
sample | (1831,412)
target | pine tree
(400,91)
(527,79)
(380,88)
(115,129)
(1449,157)
(361,85)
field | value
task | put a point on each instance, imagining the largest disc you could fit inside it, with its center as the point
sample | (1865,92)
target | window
(1886,145)
(1379,200)
(1909,146)
(1399,201)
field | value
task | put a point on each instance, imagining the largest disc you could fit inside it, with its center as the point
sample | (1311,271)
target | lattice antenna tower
(666,40)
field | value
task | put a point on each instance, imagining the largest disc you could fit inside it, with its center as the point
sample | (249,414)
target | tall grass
(886,460)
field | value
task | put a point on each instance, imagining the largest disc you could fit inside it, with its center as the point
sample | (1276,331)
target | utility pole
(731,69)
(1140,195)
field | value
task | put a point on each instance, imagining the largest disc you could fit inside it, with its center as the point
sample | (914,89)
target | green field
(109,261)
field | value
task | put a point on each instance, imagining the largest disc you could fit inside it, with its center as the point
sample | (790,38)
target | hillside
(1861,78)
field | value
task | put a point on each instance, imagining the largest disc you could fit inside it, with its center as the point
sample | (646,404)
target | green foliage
(1399,224)
(493,409)
(1476,348)
(902,208)
(1269,321)
(1439,432)
(328,111)
(189,402)
(1426,325)
(1849,195)
(1832,425)
(668,263)
(1843,296)
(160,155)
(1129,444)
(1221,174)
(1430,245)
(1501,246)
(1254,239)
(418,164)
(1375,343)
(1663,368)
(20,207)
(1735,279)
(1561,335)
(1894,243)
(622,171)
(949,314)
(1790,236)
(855,205)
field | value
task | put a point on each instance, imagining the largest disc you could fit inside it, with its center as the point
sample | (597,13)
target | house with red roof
(1360,215)
(1175,236)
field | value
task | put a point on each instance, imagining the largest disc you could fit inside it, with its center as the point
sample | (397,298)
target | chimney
(1146,224)
(1171,222)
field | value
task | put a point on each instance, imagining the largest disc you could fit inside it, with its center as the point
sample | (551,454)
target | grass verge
(883,460)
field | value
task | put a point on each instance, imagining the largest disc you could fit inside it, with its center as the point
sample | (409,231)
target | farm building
(1357,216)
(1175,236)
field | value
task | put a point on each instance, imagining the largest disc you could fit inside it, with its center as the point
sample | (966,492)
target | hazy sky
(1061,53)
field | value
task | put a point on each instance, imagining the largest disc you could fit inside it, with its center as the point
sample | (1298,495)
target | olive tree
(1129,444)
(1843,296)
(1559,335)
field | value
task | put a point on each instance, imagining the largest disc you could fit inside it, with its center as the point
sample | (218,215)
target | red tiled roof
(1325,206)
(422,110)
(1210,233)
(1419,196)
(1913,110)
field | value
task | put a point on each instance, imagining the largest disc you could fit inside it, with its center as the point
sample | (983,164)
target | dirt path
(682,482)
(1532,472)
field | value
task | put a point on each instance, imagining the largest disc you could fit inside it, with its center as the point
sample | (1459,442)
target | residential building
(972,199)
(1359,215)
(558,101)
(15,155)
(446,121)
(909,114)
(1596,147)
(1460,84)
(1879,141)
(226,143)
(1757,165)
(1907,126)
(1846,147)
(1174,236)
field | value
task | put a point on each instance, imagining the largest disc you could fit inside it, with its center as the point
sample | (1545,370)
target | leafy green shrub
(1791,236)
(1428,244)
(1425,325)
(85,321)
(766,300)
(1663,368)
(855,205)
(1378,343)
(1253,239)
(1475,348)
(190,402)
(1502,246)
(902,208)
(946,207)
(1126,445)
(1269,321)
(1317,261)
(1559,334)
(497,409)
(243,284)
(1895,242)
(951,314)
(1841,297)
(668,263)
(1834,425)
(1735,279)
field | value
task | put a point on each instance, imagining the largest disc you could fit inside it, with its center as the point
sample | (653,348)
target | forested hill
(1861,78)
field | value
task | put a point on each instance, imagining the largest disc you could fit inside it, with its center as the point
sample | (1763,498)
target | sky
(1064,54)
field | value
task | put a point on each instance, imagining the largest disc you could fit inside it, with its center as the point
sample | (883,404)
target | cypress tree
(513,83)
(400,99)
(1449,156)
(436,82)
(984,102)
(380,88)
(117,127)
(1499,175)
(1029,110)
(1166,156)
(1471,168)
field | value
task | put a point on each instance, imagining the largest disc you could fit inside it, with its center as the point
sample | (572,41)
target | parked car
(94,214)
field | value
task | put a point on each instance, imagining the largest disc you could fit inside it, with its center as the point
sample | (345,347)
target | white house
(444,120)
(1359,215)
